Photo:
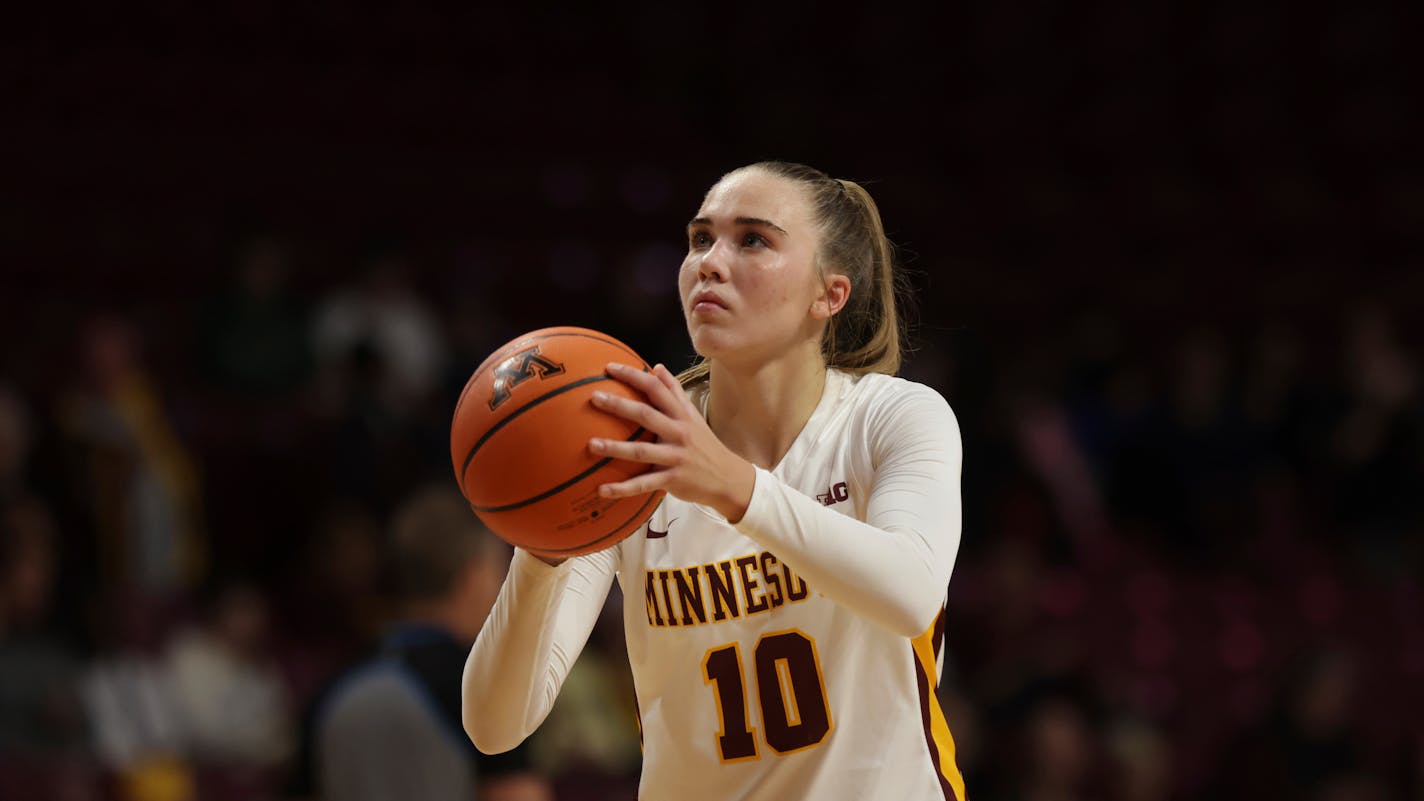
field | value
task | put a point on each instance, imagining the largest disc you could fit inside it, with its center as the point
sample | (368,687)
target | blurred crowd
(1165,262)
(1191,562)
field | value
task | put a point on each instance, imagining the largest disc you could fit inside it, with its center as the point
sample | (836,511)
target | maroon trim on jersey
(938,633)
(927,698)
(638,716)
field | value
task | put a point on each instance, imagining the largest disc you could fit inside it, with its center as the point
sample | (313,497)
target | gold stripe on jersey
(719,591)
(942,742)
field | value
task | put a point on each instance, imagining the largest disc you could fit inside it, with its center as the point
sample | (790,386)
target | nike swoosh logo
(654,534)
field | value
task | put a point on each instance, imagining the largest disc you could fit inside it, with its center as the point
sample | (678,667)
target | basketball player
(785,603)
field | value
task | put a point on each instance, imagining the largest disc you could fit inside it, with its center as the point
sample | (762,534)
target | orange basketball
(519,443)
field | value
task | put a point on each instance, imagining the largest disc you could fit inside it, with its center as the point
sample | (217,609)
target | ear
(832,298)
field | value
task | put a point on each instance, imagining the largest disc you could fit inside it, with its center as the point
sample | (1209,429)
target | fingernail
(600,396)
(597,444)
(604,491)
(615,366)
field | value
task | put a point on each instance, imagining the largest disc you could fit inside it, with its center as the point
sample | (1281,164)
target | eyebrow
(740,221)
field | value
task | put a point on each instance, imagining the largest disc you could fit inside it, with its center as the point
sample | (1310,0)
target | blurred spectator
(135,713)
(134,469)
(233,702)
(391,728)
(380,335)
(16,440)
(1141,762)
(252,340)
(590,741)
(381,359)
(335,600)
(1309,743)
(198,717)
(1378,440)
(1059,760)
(1205,449)
(40,709)
(1049,448)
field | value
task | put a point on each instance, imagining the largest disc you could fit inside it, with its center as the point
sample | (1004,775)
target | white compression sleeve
(537,628)
(895,567)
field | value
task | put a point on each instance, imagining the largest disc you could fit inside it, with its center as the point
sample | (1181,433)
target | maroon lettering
(667,600)
(795,585)
(655,615)
(773,581)
(723,591)
(749,584)
(814,722)
(690,596)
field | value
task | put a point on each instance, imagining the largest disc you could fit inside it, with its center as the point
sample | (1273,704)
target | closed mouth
(707,297)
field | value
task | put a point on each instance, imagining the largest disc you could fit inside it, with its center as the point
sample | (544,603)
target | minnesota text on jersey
(718,591)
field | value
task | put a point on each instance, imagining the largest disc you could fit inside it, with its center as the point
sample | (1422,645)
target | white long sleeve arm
(534,633)
(895,567)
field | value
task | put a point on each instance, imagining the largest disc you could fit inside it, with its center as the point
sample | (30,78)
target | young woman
(793,580)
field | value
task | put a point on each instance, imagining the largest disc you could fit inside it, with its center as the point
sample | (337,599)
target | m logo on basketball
(520,368)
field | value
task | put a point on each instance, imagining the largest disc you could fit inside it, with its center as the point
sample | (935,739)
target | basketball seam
(464,468)
(653,496)
(514,346)
(561,487)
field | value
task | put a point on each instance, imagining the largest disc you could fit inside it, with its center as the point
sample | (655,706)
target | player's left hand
(688,460)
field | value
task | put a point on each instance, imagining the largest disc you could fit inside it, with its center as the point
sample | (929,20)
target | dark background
(1165,267)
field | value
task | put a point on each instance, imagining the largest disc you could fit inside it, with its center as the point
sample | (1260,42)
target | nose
(714,262)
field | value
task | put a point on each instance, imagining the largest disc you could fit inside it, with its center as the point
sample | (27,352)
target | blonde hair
(865,335)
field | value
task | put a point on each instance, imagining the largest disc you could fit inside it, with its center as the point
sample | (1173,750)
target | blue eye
(698,239)
(753,240)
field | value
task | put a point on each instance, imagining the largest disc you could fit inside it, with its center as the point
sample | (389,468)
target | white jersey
(792,655)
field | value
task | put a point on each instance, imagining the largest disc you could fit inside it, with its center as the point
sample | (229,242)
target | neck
(759,410)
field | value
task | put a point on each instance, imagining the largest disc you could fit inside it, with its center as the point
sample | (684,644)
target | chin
(712,344)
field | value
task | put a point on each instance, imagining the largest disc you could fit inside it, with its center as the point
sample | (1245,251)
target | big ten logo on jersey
(520,368)
(721,591)
(837,493)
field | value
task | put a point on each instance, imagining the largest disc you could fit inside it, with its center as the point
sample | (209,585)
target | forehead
(757,193)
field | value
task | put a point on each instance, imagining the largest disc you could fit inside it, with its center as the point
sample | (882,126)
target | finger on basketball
(647,452)
(647,482)
(674,387)
(644,382)
(636,411)
(667,393)
(666,377)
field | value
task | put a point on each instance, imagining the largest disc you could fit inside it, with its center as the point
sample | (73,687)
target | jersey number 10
(790,690)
